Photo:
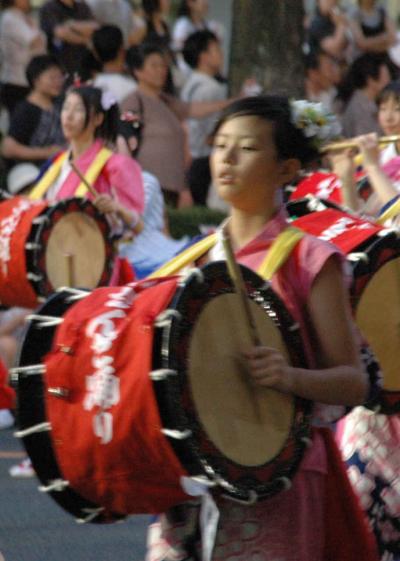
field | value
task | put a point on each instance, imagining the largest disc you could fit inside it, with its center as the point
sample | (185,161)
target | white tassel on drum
(54,485)
(189,273)
(34,429)
(162,374)
(92,513)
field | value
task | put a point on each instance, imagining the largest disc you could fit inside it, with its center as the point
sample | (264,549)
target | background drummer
(258,147)
(89,119)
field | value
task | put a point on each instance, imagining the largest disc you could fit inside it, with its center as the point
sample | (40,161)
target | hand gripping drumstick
(237,279)
(137,228)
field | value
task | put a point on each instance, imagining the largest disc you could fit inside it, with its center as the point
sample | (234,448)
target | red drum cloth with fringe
(7,394)
(318,518)
(112,450)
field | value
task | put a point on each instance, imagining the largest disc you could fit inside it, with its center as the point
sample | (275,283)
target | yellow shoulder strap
(51,174)
(389,213)
(276,257)
(279,251)
(93,171)
(48,178)
(186,257)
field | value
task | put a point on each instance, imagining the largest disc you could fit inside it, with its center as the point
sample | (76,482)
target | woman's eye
(249,148)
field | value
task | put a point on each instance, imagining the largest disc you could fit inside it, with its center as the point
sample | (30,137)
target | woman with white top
(20,40)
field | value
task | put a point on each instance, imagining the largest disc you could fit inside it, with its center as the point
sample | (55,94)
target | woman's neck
(197,19)
(148,90)
(79,146)
(245,226)
(41,100)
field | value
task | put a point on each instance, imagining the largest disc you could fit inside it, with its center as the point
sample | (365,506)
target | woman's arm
(339,378)
(375,43)
(11,148)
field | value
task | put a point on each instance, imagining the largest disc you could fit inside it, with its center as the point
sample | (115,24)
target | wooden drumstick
(237,279)
(137,228)
(88,185)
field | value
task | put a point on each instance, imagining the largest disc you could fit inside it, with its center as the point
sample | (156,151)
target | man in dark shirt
(35,132)
(69,25)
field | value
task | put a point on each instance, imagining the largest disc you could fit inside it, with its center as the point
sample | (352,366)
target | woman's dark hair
(39,64)
(290,142)
(390,91)
(196,44)
(183,9)
(365,66)
(150,7)
(136,56)
(92,100)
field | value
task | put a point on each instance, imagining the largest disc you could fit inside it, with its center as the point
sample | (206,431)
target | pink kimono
(318,518)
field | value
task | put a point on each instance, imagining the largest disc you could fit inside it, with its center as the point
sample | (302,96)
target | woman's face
(389,116)
(153,73)
(73,117)
(244,164)
(198,7)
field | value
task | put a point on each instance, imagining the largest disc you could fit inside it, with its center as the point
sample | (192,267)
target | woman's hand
(268,367)
(369,148)
(106,204)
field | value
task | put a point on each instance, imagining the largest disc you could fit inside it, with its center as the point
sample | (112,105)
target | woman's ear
(98,119)
(289,169)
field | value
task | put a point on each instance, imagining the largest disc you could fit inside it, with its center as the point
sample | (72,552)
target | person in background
(203,53)
(322,76)
(329,30)
(109,52)
(120,14)
(35,132)
(372,29)
(366,77)
(163,147)
(20,40)
(68,25)
(152,247)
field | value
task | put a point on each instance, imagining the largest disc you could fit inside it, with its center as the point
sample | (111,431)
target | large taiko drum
(45,246)
(145,390)
(374,255)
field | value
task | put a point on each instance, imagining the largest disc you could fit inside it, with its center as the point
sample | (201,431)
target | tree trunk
(267,38)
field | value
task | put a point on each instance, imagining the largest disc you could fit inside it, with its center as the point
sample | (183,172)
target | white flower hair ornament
(107,100)
(315,122)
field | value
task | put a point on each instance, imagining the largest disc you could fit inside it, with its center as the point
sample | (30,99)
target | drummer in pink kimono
(259,146)
(89,120)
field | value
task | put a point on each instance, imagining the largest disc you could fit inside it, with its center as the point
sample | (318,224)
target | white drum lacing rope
(33,277)
(162,374)
(165,318)
(54,485)
(189,273)
(34,429)
(32,370)
(76,293)
(358,256)
(32,245)
(177,434)
(253,498)
(92,513)
(44,321)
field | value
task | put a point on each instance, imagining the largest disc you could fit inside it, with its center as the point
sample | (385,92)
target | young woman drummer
(259,146)
(89,119)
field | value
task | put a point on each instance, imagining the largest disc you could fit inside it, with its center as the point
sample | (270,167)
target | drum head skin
(378,317)
(75,253)
(70,247)
(248,423)
(249,438)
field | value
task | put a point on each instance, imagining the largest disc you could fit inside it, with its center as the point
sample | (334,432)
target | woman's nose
(229,155)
